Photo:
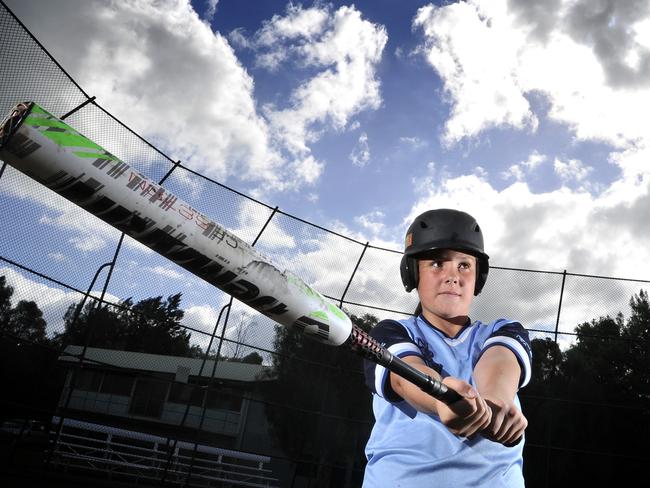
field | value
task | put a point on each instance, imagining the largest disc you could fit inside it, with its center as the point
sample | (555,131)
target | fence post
(354,271)
(548,450)
(548,425)
(216,359)
(78,107)
(325,383)
(71,384)
(171,170)
(559,307)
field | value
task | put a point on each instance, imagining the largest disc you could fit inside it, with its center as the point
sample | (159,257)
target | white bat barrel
(54,154)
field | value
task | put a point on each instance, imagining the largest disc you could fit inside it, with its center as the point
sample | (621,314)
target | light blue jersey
(411,449)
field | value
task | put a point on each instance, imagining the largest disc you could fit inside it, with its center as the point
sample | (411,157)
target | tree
(6,292)
(594,366)
(24,321)
(237,343)
(590,403)
(546,366)
(154,325)
(637,336)
(329,415)
(151,325)
(29,376)
(252,358)
(96,326)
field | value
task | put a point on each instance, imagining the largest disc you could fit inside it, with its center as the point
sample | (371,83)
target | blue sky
(358,116)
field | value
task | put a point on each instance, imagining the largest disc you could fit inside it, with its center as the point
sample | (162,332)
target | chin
(454,309)
(449,313)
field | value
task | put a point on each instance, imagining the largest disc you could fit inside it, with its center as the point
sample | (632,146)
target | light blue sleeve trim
(400,350)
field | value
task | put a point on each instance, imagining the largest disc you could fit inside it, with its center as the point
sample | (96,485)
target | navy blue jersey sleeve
(395,337)
(512,335)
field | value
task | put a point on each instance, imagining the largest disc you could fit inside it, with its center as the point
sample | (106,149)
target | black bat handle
(370,349)
(426,383)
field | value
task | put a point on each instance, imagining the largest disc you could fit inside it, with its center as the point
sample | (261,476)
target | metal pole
(548,451)
(548,424)
(559,307)
(268,221)
(321,459)
(216,360)
(78,107)
(187,406)
(171,170)
(74,370)
(352,275)
(111,266)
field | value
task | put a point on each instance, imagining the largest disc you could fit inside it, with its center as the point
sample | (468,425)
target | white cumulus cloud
(360,155)
(573,169)
(344,49)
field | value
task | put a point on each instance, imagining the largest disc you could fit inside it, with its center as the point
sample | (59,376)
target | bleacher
(137,456)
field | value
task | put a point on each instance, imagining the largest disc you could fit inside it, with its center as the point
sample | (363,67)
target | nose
(451,274)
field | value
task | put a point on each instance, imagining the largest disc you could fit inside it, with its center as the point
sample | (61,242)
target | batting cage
(135,350)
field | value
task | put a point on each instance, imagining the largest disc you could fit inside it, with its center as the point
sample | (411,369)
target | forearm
(464,417)
(497,374)
(421,401)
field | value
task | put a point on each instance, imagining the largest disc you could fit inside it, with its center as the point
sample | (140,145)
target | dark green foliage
(24,321)
(152,325)
(29,374)
(6,292)
(252,358)
(588,407)
(329,415)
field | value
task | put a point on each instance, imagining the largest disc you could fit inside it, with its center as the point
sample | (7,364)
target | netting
(222,375)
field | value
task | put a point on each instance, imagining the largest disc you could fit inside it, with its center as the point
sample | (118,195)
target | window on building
(224,399)
(184,393)
(148,397)
(87,379)
(117,384)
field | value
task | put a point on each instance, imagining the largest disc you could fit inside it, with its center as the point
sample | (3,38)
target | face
(446,285)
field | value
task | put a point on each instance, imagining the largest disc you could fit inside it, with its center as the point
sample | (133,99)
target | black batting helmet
(443,229)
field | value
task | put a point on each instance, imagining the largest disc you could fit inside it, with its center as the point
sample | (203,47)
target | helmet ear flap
(481,275)
(409,272)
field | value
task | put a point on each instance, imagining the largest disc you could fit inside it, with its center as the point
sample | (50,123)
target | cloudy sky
(532,116)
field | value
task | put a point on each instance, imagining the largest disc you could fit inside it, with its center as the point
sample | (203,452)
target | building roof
(225,370)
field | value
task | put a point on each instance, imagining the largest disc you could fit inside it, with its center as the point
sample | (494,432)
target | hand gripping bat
(51,152)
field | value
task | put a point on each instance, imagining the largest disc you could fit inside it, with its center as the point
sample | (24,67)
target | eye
(465,265)
(433,263)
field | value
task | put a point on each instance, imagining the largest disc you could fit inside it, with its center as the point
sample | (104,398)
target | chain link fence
(210,414)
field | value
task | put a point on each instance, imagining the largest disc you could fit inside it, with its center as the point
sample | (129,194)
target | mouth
(450,293)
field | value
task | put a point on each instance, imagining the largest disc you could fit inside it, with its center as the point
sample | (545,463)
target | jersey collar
(463,329)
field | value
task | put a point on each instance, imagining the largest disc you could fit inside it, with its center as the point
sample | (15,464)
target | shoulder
(389,331)
(502,323)
(512,335)
(395,336)
(510,328)
(503,327)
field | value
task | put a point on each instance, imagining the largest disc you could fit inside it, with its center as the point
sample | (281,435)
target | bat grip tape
(371,350)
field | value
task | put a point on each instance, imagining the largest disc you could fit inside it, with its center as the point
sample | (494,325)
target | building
(169,403)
